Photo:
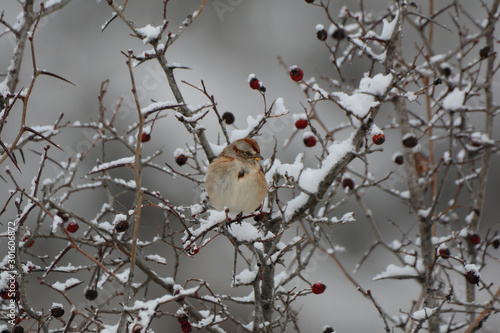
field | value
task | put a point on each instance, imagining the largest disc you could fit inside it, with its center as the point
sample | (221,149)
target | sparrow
(235,178)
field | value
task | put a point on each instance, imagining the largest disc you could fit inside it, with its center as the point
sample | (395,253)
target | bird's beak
(258,158)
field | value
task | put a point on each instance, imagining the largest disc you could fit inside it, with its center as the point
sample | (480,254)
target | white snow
(374,130)
(243,133)
(156,258)
(149,33)
(157,106)
(279,107)
(245,232)
(388,28)
(113,164)
(299,116)
(376,85)
(311,178)
(455,100)
(393,271)
(62,286)
(246,276)
(472,268)
(423,314)
(346,218)
(56,222)
(179,151)
(319,27)
(358,103)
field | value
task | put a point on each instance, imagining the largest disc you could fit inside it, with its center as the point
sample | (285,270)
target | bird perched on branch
(235,178)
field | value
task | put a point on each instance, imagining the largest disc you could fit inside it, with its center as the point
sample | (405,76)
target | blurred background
(229,41)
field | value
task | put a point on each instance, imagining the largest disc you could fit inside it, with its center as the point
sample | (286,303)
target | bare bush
(440,102)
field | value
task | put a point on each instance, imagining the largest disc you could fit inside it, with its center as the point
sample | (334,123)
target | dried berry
(410,141)
(496,243)
(18,329)
(228,117)
(472,277)
(328,329)
(321,34)
(318,288)
(484,52)
(91,294)
(378,139)
(181,159)
(301,123)
(399,159)
(348,183)
(447,71)
(121,226)
(57,311)
(444,252)
(338,34)
(296,73)
(309,1)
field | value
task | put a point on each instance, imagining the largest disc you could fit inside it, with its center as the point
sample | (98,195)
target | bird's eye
(247,153)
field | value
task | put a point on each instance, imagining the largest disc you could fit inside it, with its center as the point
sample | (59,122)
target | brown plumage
(235,178)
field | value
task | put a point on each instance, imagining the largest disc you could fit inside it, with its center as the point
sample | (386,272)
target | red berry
(472,277)
(181,160)
(72,227)
(301,123)
(121,226)
(348,183)
(378,139)
(193,249)
(145,137)
(228,117)
(444,252)
(137,328)
(254,83)
(318,288)
(186,327)
(177,292)
(296,73)
(399,159)
(410,141)
(26,236)
(474,239)
(10,292)
(310,140)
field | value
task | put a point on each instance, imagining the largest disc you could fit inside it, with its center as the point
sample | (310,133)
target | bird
(235,179)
